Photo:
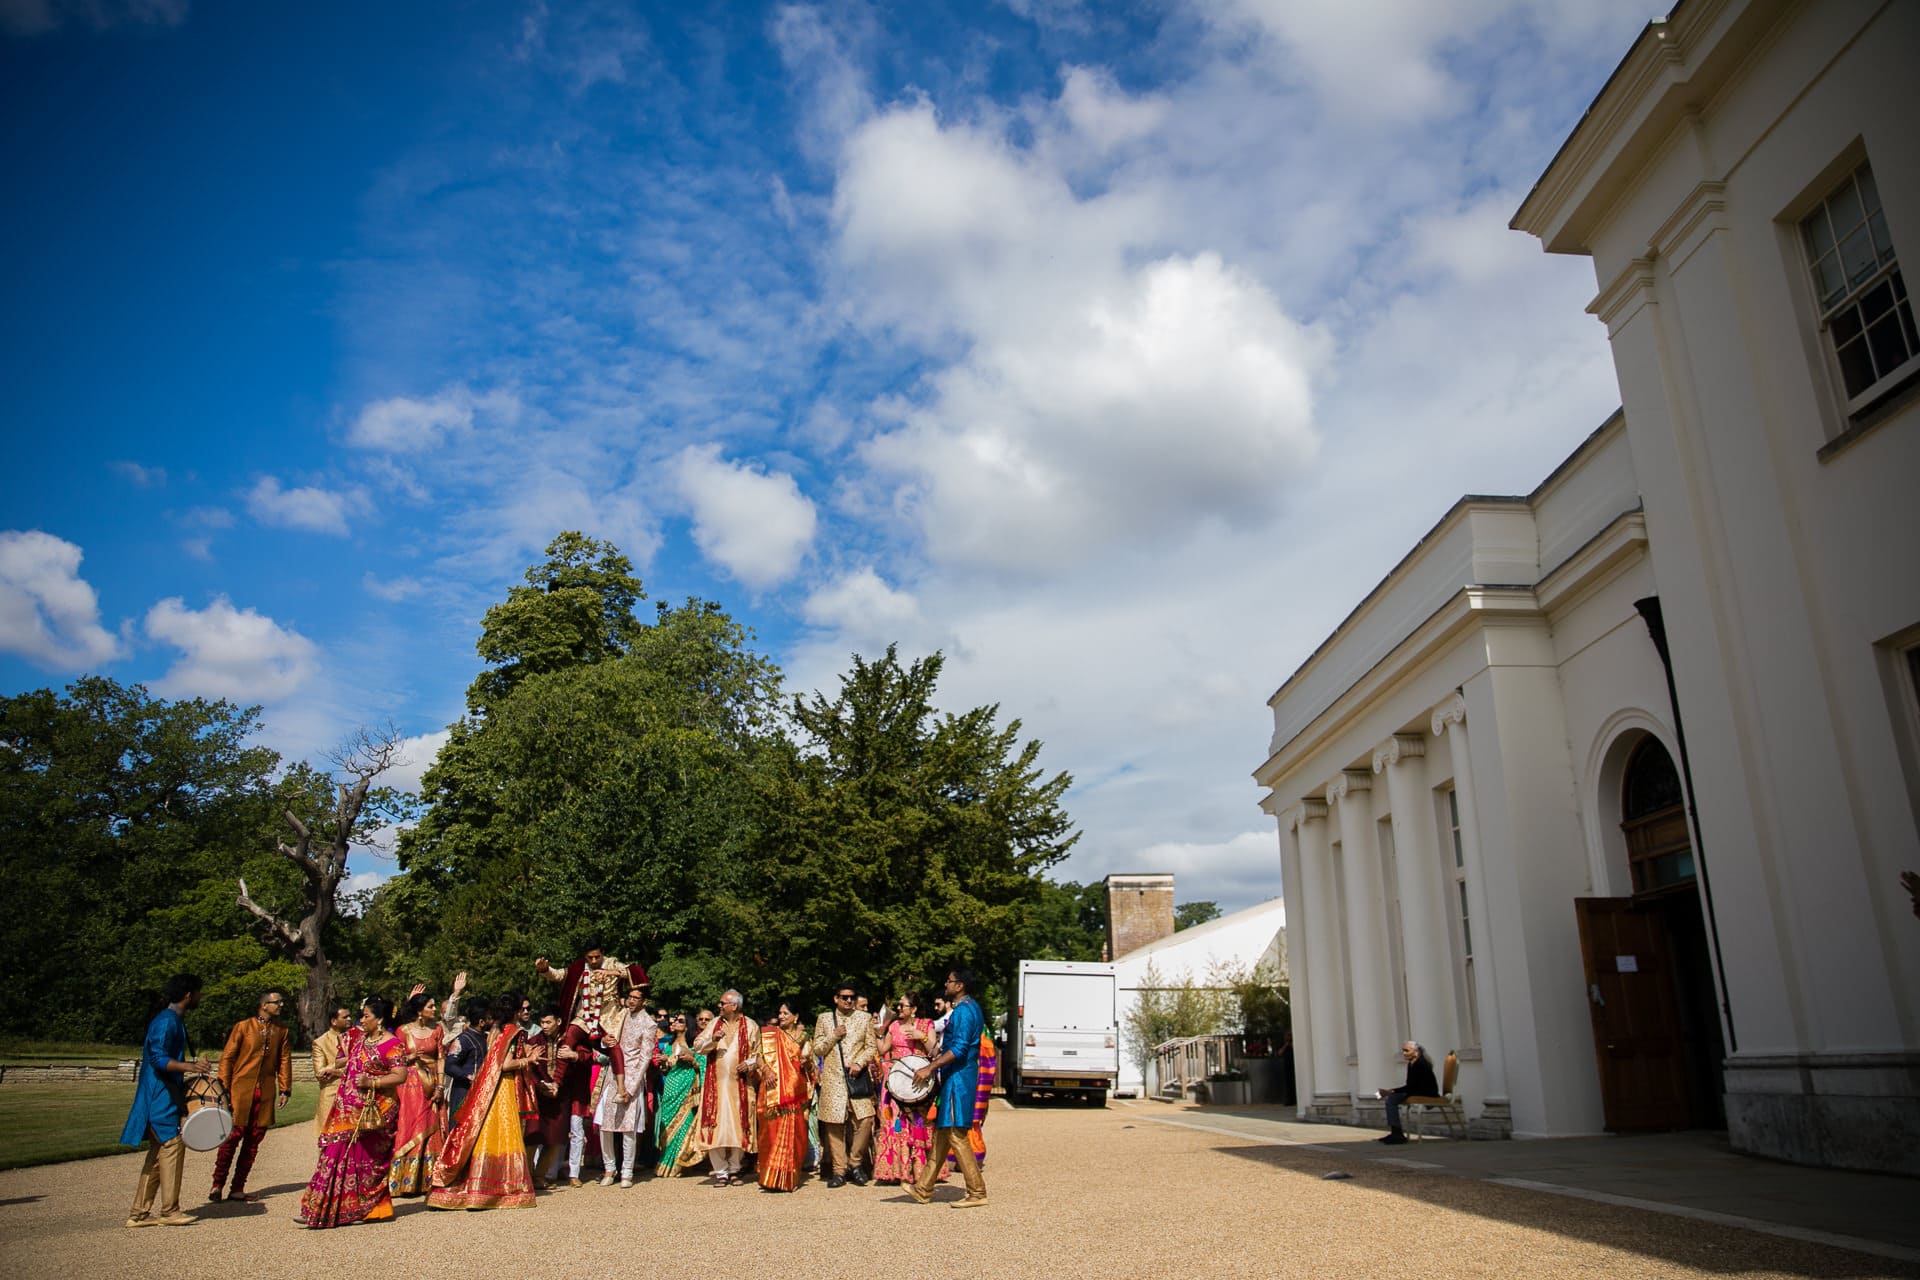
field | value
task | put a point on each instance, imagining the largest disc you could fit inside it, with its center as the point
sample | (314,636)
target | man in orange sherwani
(256,1054)
(326,1064)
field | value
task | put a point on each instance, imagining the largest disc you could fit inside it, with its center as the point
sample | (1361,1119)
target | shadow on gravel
(1682,1242)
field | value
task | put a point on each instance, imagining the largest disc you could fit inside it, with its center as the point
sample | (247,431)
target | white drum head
(207,1128)
(900,1082)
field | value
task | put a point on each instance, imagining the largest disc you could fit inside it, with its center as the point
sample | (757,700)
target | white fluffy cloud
(48,612)
(231,653)
(306,507)
(1104,395)
(406,424)
(754,524)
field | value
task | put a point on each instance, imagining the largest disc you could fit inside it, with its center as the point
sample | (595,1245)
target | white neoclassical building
(1611,787)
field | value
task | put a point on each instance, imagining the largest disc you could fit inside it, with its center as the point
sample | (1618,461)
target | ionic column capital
(1310,809)
(1355,780)
(1452,711)
(1401,746)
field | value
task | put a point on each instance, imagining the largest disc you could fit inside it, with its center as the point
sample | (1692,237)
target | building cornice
(1624,297)
(1678,65)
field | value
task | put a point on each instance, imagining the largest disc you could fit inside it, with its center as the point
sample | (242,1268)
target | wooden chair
(1448,1105)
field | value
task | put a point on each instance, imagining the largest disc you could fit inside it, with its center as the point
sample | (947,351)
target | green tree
(1068,921)
(1189,914)
(124,819)
(1172,1011)
(894,839)
(576,608)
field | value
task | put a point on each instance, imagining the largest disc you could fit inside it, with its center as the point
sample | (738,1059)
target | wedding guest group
(470,1105)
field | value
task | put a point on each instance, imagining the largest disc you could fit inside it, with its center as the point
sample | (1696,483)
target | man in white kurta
(731,1044)
(620,1107)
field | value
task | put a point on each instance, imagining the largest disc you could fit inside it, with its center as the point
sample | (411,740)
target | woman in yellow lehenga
(483,1163)
(784,1068)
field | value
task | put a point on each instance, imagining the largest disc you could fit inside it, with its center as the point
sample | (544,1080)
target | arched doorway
(1649,968)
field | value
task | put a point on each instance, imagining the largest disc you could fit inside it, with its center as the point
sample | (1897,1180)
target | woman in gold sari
(784,1068)
(483,1162)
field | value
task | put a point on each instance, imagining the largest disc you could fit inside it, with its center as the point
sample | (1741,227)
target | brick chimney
(1139,911)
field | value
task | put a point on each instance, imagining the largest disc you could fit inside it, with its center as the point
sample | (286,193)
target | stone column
(1424,932)
(1376,1041)
(1450,719)
(1326,1030)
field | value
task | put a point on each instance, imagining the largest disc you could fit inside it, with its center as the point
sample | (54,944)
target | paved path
(1140,1189)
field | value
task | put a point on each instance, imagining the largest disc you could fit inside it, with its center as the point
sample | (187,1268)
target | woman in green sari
(683,1072)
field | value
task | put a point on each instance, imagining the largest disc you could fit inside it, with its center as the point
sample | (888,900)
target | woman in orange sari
(417,1140)
(784,1066)
(483,1162)
(356,1141)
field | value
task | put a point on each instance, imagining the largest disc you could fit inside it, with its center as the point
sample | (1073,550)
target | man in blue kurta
(159,1095)
(959,1066)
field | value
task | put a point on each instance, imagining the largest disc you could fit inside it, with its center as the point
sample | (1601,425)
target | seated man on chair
(1420,1084)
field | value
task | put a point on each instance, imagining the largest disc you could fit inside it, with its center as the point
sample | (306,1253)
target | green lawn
(44,1052)
(67,1120)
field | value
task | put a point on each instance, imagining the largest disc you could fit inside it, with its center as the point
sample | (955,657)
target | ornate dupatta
(360,1060)
(491,1076)
(783,1073)
(710,1090)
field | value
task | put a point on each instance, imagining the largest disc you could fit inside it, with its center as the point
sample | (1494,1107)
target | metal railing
(1178,1065)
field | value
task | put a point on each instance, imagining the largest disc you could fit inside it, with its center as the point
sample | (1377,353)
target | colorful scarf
(459,1144)
(710,1090)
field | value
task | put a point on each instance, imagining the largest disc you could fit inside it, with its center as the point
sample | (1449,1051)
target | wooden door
(1637,1035)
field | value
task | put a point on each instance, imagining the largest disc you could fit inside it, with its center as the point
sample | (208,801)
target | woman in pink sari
(903,1135)
(416,1140)
(350,1183)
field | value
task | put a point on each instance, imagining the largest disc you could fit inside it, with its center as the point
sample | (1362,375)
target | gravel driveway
(1073,1193)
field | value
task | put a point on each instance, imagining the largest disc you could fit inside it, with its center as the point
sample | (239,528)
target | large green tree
(124,820)
(896,839)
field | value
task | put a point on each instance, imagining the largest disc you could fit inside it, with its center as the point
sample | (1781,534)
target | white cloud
(755,524)
(405,424)
(49,614)
(138,476)
(863,612)
(1243,868)
(1105,394)
(231,653)
(392,589)
(417,755)
(306,507)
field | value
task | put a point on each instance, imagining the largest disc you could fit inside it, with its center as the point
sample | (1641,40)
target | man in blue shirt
(159,1096)
(959,1066)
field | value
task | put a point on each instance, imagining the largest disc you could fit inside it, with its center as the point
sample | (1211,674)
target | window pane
(1846,326)
(1844,205)
(1828,280)
(1856,367)
(1817,233)
(1466,926)
(1882,242)
(1876,302)
(1868,190)
(1856,252)
(1889,344)
(1906,323)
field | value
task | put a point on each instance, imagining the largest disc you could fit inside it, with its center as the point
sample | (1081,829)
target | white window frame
(1829,305)
(1460,920)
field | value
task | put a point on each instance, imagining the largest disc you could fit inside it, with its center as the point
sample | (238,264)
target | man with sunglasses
(843,1037)
(255,1059)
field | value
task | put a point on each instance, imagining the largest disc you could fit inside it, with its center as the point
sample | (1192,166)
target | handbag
(375,1114)
(858,1086)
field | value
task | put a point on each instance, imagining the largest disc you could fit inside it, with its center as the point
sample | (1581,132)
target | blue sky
(1116,350)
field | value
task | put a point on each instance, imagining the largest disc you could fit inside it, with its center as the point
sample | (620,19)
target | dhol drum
(209,1117)
(901,1084)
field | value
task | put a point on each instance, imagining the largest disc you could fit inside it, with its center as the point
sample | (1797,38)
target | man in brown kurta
(255,1058)
(326,1065)
(843,1037)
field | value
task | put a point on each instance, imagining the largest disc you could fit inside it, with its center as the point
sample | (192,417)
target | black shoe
(1394,1139)
(859,1178)
(836,1181)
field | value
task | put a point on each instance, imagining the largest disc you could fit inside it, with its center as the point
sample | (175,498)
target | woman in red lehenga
(903,1136)
(784,1066)
(417,1139)
(350,1183)
(483,1163)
